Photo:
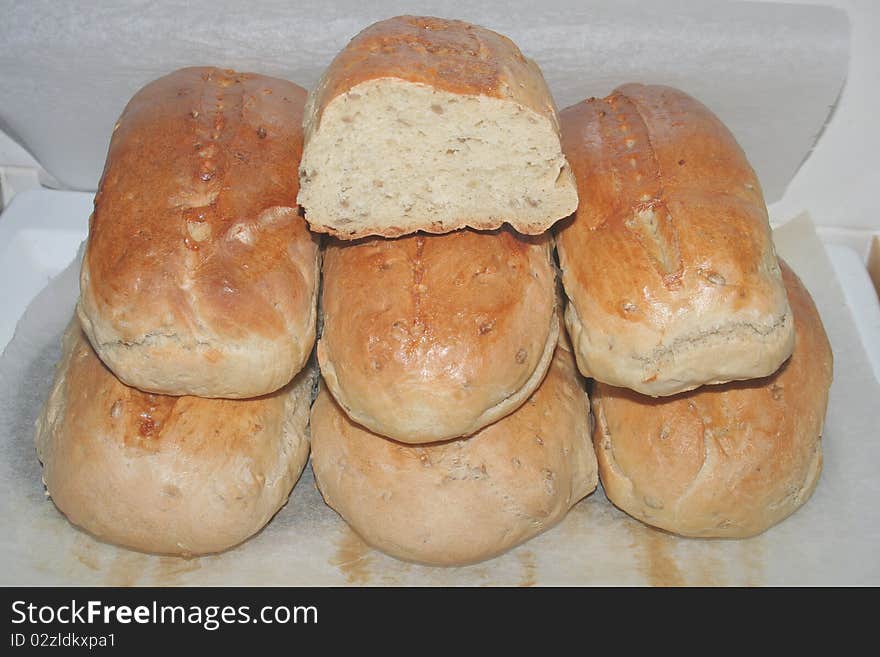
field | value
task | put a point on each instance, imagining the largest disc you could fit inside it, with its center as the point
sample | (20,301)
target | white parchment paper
(833,539)
(772,72)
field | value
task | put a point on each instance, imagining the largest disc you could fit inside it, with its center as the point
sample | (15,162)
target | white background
(837,183)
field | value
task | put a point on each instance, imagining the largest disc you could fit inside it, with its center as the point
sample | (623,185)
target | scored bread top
(449,55)
(196,243)
(669,256)
(431,337)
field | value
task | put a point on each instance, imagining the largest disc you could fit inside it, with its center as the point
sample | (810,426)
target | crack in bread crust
(694,340)
(636,170)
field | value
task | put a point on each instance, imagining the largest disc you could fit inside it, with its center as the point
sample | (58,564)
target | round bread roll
(170,475)
(432,337)
(464,500)
(200,277)
(721,461)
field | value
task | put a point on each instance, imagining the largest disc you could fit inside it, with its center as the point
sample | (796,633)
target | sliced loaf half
(433,125)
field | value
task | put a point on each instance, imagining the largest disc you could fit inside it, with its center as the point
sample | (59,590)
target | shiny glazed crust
(464,500)
(432,337)
(721,461)
(200,277)
(668,263)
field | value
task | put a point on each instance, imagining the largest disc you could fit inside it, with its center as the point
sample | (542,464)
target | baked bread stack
(177,422)
(452,420)
(439,434)
(674,286)
(721,461)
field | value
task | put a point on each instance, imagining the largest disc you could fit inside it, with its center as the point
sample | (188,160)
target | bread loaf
(721,461)
(433,125)
(668,263)
(200,277)
(432,337)
(464,500)
(171,475)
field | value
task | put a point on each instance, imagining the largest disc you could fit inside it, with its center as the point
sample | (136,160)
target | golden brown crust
(449,55)
(172,475)
(725,461)
(431,337)
(196,241)
(465,500)
(435,228)
(669,257)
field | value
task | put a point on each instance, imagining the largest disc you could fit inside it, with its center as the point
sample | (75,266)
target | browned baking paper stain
(169,570)
(710,562)
(126,568)
(725,561)
(353,558)
(122,567)
(84,551)
(708,565)
(529,575)
(654,552)
(751,554)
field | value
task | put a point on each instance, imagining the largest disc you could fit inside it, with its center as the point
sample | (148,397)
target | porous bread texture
(466,500)
(392,157)
(725,461)
(169,475)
